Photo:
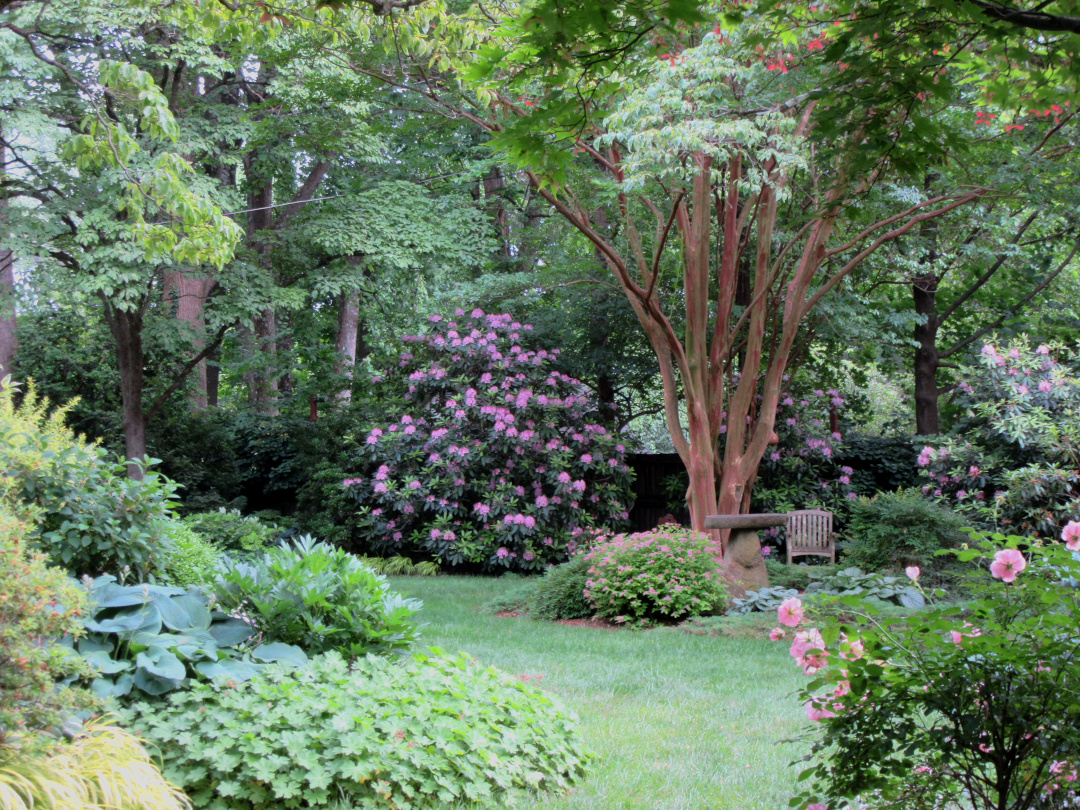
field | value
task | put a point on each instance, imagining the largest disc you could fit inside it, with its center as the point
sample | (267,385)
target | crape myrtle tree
(709,140)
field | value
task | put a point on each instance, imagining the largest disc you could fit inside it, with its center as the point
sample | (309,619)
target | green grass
(679,721)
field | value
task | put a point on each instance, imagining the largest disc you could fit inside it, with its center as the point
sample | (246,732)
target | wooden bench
(809,532)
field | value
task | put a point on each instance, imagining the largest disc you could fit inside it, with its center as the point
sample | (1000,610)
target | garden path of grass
(679,721)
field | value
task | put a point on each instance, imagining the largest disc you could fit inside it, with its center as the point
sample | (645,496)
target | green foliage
(401,566)
(782,575)
(156,639)
(92,518)
(229,530)
(37,603)
(561,593)
(427,733)
(189,559)
(951,707)
(855,582)
(320,598)
(762,600)
(893,530)
(200,451)
(666,574)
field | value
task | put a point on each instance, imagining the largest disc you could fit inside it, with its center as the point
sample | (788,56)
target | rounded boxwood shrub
(429,733)
(894,530)
(665,575)
(497,459)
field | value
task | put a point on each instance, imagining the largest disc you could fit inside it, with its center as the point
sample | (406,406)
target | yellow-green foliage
(37,603)
(105,768)
(190,559)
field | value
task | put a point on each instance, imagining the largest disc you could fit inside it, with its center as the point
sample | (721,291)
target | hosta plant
(427,733)
(663,575)
(152,639)
(496,460)
(972,708)
(320,598)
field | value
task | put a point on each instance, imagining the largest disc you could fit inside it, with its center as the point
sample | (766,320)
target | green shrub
(229,530)
(91,517)
(155,639)
(515,600)
(665,574)
(897,529)
(189,559)
(30,590)
(320,598)
(427,733)
(782,575)
(560,594)
(401,566)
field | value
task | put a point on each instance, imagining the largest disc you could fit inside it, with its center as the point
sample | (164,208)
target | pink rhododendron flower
(502,553)
(817,806)
(1071,535)
(790,612)
(912,572)
(1043,349)
(1007,564)
(989,350)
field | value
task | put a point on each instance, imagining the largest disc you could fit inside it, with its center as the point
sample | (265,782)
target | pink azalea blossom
(1071,535)
(790,612)
(817,806)
(777,634)
(1007,564)
(818,713)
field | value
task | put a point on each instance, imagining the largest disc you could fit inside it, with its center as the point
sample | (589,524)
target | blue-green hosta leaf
(105,664)
(231,632)
(188,611)
(112,687)
(89,645)
(145,619)
(161,663)
(154,684)
(229,669)
(284,653)
(910,597)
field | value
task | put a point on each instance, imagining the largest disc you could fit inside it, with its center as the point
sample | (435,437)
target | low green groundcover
(429,732)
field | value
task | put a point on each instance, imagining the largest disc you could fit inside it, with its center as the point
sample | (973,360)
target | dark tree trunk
(126,327)
(9,342)
(264,381)
(213,380)
(927,359)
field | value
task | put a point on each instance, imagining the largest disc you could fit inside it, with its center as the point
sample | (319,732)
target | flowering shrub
(496,460)
(663,575)
(1018,462)
(973,707)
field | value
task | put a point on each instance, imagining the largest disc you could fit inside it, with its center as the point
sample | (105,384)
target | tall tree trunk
(188,293)
(126,327)
(9,342)
(346,339)
(213,380)
(265,386)
(924,291)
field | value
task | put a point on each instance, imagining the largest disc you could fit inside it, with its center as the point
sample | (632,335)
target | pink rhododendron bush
(663,575)
(956,708)
(1016,460)
(495,458)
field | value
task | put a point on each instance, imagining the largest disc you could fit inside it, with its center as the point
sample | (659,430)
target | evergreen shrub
(894,530)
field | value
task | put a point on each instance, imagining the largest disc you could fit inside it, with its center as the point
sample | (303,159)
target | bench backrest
(809,531)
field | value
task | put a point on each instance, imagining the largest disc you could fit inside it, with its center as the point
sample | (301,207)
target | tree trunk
(265,384)
(9,342)
(213,380)
(924,291)
(346,339)
(126,327)
(188,293)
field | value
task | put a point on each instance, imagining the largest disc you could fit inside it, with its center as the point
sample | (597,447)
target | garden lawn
(678,721)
